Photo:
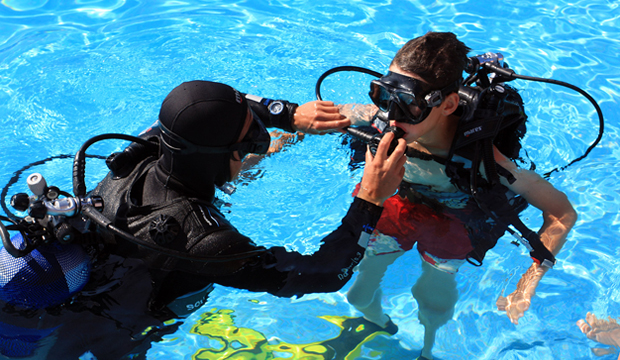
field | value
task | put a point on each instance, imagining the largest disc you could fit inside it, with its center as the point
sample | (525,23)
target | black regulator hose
(6,241)
(79,162)
(99,219)
(509,74)
(506,74)
(338,69)
(599,112)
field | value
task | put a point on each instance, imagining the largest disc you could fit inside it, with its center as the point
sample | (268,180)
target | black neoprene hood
(205,114)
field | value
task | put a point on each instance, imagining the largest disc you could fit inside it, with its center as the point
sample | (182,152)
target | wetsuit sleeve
(285,273)
(273,113)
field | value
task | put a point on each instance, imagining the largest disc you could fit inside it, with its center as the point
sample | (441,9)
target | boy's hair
(439,58)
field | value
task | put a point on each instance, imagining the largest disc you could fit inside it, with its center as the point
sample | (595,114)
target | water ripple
(69,70)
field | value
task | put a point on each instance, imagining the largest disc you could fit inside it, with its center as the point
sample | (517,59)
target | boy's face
(417,131)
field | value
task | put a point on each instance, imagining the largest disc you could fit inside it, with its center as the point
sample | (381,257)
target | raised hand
(319,117)
(383,173)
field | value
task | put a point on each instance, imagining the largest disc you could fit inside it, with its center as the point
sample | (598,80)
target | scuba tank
(46,276)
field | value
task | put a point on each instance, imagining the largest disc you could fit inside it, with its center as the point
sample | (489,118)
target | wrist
(366,194)
(291,110)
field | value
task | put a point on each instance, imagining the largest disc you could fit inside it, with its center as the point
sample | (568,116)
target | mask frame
(406,99)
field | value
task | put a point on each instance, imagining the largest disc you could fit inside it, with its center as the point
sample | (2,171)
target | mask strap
(435,97)
(187,147)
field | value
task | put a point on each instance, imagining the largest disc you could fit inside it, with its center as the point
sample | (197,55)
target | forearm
(526,287)
(329,268)
(288,273)
(555,229)
(553,235)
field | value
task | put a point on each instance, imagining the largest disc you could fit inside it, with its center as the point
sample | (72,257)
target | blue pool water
(70,70)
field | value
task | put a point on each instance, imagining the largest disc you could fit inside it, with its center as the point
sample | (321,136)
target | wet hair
(439,58)
(205,114)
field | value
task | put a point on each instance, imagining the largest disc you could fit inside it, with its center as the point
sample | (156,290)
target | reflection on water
(227,341)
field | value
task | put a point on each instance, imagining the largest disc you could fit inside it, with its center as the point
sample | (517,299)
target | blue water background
(72,70)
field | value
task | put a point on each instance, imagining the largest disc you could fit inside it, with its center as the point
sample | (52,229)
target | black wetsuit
(133,291)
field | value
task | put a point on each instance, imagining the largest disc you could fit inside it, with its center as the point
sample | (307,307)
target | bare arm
(358,114)
(558,219)
(318,117)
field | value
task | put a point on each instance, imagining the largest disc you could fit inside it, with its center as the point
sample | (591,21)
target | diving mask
(404,98)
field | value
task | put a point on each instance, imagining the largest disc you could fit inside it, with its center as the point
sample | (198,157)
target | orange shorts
(441,235)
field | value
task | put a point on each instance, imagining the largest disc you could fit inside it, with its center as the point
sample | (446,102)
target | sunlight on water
(71,70)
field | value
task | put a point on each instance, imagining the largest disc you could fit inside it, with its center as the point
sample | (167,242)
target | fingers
(324,126)
(383,173)
(394,161)
(319,117)
(592,319)
(383,146)
(603,351)
(327,107)
(398,155)
(501,303)
(328,118)
(583,326)
(514,315)
(515,309)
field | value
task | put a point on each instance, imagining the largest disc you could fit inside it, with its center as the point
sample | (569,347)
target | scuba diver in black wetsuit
(161,243)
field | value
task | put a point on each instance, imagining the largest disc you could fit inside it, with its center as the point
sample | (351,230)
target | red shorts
(441,235)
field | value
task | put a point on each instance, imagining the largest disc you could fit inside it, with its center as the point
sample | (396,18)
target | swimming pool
(71,70)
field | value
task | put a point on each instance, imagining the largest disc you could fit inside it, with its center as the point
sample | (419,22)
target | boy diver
(419,94)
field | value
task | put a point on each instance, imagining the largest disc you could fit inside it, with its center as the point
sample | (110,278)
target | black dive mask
(404,98)
(255,141)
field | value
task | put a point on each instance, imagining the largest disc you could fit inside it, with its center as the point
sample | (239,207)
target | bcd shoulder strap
(496,110)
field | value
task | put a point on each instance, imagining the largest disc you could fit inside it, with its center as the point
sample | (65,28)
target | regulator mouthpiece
(373,139)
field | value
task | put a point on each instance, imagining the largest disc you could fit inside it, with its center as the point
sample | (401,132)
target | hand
(604,331)
(280,139)
(383,174)
(319,117)
(515,305)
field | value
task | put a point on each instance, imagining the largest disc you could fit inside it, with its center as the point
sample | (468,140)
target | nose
(395,112)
